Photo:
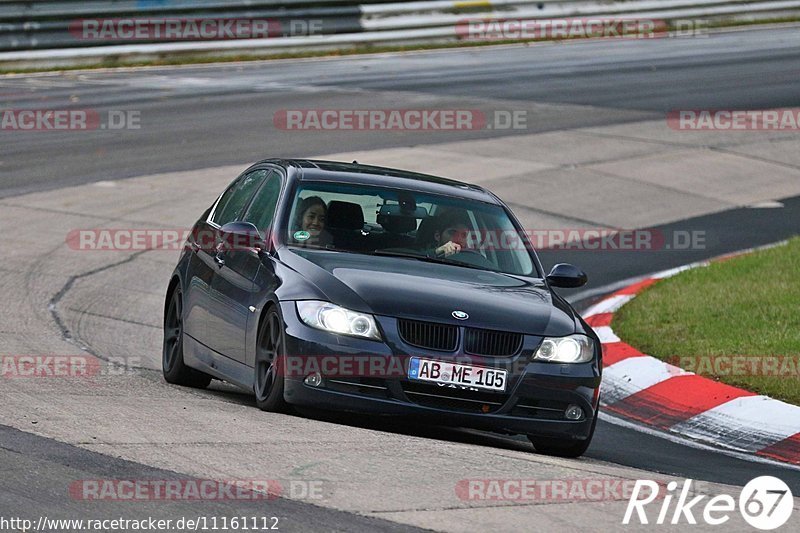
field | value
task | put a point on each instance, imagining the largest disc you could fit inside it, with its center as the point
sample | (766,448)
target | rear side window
(235,199)
(262,210)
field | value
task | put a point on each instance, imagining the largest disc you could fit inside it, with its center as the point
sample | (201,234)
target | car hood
(418,290)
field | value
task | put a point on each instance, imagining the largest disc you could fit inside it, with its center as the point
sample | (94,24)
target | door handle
(218,258)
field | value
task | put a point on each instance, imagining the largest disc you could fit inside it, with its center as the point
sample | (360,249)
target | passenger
(309,223)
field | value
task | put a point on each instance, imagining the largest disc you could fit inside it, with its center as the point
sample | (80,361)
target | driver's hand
(449,248)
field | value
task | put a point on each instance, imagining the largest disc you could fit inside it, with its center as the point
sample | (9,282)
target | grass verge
(736,321)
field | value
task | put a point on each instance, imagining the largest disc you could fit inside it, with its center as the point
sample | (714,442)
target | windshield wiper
(425,258)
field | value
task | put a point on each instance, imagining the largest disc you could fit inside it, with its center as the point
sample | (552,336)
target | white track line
(635,374)
(608,305)
(749,423)
(605,417)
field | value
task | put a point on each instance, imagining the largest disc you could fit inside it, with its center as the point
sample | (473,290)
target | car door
(222,307)
(262,213)
(203,266)
(233,284)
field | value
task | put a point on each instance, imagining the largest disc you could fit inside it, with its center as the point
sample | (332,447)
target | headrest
(425,231)
(345,215)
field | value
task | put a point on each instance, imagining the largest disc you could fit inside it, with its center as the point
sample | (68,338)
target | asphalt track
(199,117)
(51,462)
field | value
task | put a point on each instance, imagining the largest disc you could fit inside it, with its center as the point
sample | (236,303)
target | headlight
(572,349)
(331,317)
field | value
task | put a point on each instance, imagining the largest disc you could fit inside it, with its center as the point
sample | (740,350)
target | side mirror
(567,276)
(241,236)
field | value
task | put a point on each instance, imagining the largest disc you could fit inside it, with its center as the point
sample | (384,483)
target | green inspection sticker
(301,235)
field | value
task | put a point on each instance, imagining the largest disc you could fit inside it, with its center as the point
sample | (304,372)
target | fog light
(313,380)
(573,412)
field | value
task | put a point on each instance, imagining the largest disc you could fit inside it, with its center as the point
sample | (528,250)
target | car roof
(357,173)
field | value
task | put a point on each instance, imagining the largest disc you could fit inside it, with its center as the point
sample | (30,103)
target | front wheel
(172,365)
(270,361)
(563,447)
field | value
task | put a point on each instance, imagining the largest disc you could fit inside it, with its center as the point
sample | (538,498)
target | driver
(450,235)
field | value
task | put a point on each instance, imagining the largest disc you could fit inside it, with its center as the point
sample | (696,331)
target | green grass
(187,58)
(747,306)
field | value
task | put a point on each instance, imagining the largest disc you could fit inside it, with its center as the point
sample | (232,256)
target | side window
(235,198)
(262,210)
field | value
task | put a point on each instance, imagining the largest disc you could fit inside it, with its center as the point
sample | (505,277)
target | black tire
(563,447)
(270,360)
(172,365)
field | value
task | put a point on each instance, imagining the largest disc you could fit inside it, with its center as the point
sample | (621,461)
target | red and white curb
(660,395)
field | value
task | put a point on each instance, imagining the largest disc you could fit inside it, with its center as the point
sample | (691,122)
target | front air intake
(441,337)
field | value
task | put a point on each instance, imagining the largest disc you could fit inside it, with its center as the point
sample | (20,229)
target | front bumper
(534,402)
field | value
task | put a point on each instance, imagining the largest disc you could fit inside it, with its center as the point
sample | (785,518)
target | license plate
(457,374)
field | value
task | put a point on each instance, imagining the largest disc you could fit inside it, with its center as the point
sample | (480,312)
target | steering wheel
(472,257)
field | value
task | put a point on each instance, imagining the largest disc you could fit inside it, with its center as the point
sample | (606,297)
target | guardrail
(34,25)
(88,30)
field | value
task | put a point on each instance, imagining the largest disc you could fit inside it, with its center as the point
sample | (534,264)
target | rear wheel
(563,447)
(270,360)
(172,365)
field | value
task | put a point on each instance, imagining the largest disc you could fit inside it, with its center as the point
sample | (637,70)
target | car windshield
(374,220)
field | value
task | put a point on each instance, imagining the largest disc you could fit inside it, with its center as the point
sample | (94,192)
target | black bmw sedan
(366,289)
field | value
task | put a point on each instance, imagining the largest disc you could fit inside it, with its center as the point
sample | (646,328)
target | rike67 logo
(765,503)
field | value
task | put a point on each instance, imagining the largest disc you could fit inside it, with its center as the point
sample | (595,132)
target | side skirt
(200,357)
